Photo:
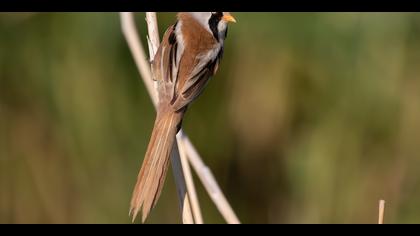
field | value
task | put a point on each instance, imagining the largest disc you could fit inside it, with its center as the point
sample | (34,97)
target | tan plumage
(186,59)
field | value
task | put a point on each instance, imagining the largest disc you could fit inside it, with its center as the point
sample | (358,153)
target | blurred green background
(312,118)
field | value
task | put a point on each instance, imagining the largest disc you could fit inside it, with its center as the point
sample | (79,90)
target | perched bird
(188,56)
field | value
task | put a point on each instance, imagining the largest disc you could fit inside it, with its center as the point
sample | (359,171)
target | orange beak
(228,17)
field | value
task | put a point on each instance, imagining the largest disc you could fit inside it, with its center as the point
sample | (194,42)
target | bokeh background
(312,118)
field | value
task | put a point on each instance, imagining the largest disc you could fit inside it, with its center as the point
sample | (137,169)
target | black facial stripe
(219,14)
(214,22)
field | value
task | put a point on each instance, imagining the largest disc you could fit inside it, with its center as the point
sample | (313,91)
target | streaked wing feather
(194,86)
(165,64)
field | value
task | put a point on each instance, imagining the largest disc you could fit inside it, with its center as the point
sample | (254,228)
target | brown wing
(183,74)
(197,63)
(194,86)
(165,65)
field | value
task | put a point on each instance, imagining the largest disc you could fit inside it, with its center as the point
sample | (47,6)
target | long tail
(155,164)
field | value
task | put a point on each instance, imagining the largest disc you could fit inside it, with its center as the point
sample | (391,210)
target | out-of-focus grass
(312,118)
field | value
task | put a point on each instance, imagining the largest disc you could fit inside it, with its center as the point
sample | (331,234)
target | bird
(187,58)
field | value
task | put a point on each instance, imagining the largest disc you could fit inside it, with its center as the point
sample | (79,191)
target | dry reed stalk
(381,212)
(192,193)
(208,180)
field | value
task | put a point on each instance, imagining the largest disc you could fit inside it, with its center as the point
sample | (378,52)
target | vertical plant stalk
(381,212)
(192,193)
(204,173)
(182,190)
(134,43)
(208,180)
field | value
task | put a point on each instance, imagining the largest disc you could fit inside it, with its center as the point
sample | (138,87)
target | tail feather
(155,165)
